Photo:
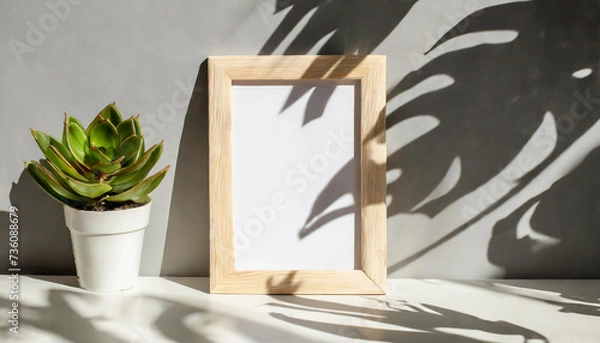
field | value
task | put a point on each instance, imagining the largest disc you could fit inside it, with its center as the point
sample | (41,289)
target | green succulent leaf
(87,189)
(69,120)
(96,155)
(135,173)
(130,149)
(104,169)
(105,161)
(58,155)
(97,120)
(105,137)
(150,156)
(138,130)
(45,141)
(143,200)
(111,113)
(53,187)
(56,173)
(136,124)
(61,163)
(142,189)
(77,141)
(126,128)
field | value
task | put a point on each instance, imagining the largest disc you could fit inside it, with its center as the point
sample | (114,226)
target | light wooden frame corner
(369,73)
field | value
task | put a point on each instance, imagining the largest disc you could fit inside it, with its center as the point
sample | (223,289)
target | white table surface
(53,309)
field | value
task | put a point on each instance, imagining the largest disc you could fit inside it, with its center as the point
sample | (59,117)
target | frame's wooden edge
(221,216)
(289,67)
(308,282)
(370,70)
(373,173)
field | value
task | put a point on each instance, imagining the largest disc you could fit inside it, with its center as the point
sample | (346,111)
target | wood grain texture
(220,190)
(297,282)
(373,171)
(370,71)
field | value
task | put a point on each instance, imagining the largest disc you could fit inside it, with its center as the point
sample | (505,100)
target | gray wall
(493,137)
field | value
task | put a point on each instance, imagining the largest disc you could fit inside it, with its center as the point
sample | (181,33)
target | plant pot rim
(71,208)
(107,222)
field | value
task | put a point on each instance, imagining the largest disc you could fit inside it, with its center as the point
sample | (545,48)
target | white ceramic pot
(107,246)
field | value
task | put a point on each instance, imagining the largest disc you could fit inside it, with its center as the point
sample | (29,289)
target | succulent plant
(103,165)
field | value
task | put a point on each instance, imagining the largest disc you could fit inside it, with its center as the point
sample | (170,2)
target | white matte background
(280,166)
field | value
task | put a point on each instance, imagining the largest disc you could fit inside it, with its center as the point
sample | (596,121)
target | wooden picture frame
(369,73)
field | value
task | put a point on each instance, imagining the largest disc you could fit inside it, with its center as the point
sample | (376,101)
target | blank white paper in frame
(295,147)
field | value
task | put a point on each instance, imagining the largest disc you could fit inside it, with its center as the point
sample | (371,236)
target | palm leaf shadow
(564,229)
(498,100)
(354,26)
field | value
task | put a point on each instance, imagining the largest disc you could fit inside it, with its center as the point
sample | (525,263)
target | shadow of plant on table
(389,320)
(129,317)
(580,297)
(60,318)
(392,321)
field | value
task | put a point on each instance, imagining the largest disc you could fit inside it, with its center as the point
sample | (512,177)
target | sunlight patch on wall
(449,181)
(582,73)
(429,85)
(403,133)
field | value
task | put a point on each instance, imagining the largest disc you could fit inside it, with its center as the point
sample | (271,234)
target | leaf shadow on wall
(531,242)
(498,96)
(186,246)
(350,27)
(529,76)
(44,240)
